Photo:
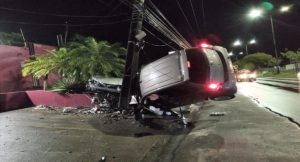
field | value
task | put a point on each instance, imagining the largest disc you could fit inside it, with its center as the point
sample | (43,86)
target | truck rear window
(198,66)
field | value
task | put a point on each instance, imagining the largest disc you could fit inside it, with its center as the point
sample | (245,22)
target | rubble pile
(103,109)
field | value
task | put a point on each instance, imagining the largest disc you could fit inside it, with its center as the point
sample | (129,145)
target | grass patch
(283,74)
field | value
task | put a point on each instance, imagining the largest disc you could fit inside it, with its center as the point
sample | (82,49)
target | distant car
(245,76)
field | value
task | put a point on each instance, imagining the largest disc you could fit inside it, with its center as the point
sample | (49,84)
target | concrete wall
(14,100)
(11,59)
(49,98)
(291,66)
(12,84)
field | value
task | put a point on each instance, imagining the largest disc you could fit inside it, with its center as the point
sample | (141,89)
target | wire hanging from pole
(195,17)
(186,19)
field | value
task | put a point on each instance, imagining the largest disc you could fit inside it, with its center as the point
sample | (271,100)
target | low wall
(14,100)
(49,98)
(23,99)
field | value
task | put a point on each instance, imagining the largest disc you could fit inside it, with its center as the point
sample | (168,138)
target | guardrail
(286,83)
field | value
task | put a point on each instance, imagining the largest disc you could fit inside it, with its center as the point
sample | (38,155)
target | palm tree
(90,58)
(80,60)
(43,65)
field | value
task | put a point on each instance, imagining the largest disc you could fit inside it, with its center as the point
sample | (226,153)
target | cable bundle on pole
(159,22)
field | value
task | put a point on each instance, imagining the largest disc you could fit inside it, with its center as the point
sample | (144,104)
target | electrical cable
(190,26)
(166,31)
(71,25)
(195,17)
(167,21)
(158,45)
(160,23)
(62,15)
(158,38)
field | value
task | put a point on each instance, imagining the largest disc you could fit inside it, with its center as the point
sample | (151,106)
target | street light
(285,8)
(239,43)
(252,41)
(230,54)
(255,13)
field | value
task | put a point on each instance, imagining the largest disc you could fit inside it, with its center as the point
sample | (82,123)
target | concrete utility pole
(66,32)
(275,45)
(23,37)
(130,79)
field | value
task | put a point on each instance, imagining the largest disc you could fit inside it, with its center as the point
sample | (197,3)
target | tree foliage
(43,65)
(256,61)
(292,55)
(12,39)
(79,61)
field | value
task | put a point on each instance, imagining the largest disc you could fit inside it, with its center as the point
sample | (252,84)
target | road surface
(245,133)
(277,99)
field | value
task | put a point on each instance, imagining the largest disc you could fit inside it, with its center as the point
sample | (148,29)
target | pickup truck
(188,76)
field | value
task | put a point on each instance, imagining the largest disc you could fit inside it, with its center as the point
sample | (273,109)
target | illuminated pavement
(277,99)
(245,133)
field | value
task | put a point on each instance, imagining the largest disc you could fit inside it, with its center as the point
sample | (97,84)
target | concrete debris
(68,109)
(94,110)
(44,107)
(217,114)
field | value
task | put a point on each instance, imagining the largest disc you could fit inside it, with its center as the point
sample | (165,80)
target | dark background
(225,21)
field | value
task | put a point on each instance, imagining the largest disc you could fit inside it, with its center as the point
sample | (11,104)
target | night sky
(224,22)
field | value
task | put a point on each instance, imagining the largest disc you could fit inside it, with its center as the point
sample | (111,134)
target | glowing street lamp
(237,43)
(255,13)
(285,8)
(252,41)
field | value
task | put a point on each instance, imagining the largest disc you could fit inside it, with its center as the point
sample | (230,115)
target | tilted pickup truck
(188,76)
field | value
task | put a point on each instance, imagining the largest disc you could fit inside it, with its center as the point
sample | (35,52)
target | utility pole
(66,32)
(130,78)
(58,42)
(23,37)
(275,45)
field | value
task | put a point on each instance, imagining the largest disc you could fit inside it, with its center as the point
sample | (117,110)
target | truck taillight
(204,45)
(214,86)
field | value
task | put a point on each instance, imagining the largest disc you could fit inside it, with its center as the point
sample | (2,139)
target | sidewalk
(246,133)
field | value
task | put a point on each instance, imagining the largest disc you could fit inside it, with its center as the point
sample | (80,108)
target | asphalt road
(277,99)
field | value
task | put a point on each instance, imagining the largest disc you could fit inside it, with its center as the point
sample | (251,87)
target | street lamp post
(274,43)
(254,13)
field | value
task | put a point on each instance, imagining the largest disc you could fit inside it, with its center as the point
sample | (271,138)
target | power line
(193,10)
(158,38)
(166,29)
(203,15)
(62,15)
(189,24)
(167,25)
(63,24)
(158,45)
